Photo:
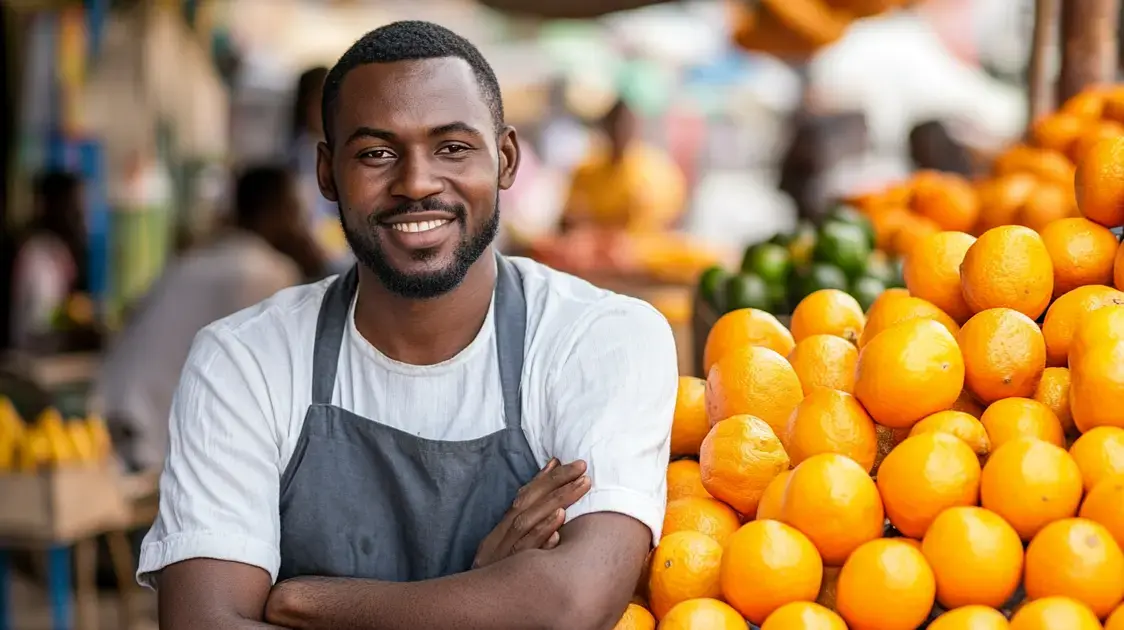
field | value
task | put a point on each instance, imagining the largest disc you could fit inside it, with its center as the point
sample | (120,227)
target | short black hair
(259,190)
(407,41)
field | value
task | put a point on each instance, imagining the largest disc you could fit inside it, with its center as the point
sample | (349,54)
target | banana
(99,438)
(81,441)
(10,422)
(60,447)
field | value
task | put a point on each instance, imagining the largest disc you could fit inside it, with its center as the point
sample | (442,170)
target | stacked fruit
(777,274)
(953,456)
(50,441)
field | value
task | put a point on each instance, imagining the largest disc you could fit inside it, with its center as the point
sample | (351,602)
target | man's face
(416,169)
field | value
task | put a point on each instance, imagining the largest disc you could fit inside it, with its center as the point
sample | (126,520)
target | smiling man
(439,438)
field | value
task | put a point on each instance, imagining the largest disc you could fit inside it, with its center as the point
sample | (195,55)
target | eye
(376,154)
(453,149)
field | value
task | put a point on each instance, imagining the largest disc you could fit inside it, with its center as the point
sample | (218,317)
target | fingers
(528,520)
(548,480)
(543,531)
(553,541)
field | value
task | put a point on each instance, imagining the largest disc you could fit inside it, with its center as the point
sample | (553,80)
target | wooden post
(1088,44)
(1039,88)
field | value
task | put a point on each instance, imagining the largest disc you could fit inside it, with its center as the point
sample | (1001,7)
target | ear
(324,177)
(508,145)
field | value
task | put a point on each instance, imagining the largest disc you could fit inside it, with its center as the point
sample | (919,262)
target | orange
(830,421)
(739,458)
(946,199)
(828,312)
(684,479)
(767,565)
(887,222)
(636,618)
(1048,203)
(1088,104)
(1105,505)
(1099,183)
(1004,354)
(745,327)
(899,310)
(1096,388)
(976,556)
(1053,391)
(957,424)
(1054,613)
(909,371)
(1076,558)
(1001,199)
(1115,621)
(932,272)
(1081,252)
(1095,132)
(684,566)
(883,300)
(1058,132)
(1103,326)
(773,498)
(702,614)
(1099,454)
(1008,267)
(803,616)
(834,502)
(696,514)
(967,404)
(970,618)
(1013,418)
(925,475)
(1044,164)
(913,230)
(1030,483)
(753,380)
(825,361)
(1066,314)
(690,424)
(885,585)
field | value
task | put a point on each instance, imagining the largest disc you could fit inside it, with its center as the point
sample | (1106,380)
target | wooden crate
(63,505)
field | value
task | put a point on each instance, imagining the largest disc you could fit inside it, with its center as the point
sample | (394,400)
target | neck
(425,332)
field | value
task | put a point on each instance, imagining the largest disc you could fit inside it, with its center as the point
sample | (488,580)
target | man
(241,267)
(348,454)
(625,183)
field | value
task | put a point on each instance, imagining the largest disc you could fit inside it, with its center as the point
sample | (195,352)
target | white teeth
(419,226)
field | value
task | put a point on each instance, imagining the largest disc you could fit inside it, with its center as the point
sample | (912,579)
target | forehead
(401,95)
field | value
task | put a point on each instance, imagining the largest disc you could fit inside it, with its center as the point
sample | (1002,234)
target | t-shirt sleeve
(612,398)
(219,487)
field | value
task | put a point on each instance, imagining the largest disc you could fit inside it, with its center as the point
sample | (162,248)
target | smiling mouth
(419,226)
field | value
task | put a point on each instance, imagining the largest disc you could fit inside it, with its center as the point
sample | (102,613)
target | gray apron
(363,499)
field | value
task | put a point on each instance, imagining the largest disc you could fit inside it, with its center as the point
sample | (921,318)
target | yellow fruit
(1053,391)
(1008,267)
(702,614)
(745,327)
(1030,483)
(909,371)
(1004,354)
(1099,183)
(835,503)
(1105,505)
(684,479)
(828,312)
(709,516)
(1115,621)
(970,618)
(1103,326)
(753,380)
(976,556)
(932,272)
(825,361)
(1066,315)
(885,585)
(1081,252)
(636,618)
(1099,454)
(803,616)
(898,310)
(830,421)
(767,565)
(685,565)
(1012,418)
(1076,558)
(739,457)
(924,476)
(959,424)
(772,501)
(1053,613)
(690,424)
(1096,389)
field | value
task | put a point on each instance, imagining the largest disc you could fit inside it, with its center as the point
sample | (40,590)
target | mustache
(425,205)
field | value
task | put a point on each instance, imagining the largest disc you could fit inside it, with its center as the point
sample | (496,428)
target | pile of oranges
(953,458)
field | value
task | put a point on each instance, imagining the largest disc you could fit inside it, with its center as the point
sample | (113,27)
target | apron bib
(365,500)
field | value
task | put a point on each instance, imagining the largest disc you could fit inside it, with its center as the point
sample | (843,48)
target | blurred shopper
(50,259)
(266,249)
(625,183)
(932,147)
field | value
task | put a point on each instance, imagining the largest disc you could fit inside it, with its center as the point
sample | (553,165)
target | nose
(415,179)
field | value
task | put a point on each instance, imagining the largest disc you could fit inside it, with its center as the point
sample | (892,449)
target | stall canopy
(567,9)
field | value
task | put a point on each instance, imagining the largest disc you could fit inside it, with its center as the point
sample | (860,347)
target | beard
(364,243)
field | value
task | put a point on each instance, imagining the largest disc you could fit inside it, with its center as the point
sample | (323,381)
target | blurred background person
(266,248)
(49,261)
(932,147)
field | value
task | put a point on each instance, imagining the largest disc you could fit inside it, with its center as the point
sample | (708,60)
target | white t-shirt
(599,383)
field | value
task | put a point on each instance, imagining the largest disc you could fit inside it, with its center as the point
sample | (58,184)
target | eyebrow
(441,130)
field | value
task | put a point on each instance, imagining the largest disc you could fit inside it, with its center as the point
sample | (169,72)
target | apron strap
(330,327)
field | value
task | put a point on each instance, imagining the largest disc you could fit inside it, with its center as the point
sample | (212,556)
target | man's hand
(537,513)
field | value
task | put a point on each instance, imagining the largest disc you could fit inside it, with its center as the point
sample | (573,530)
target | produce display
(658,256)
(950,457)
(842,253)
(50,441)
